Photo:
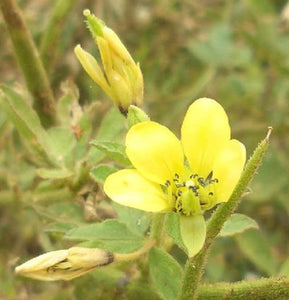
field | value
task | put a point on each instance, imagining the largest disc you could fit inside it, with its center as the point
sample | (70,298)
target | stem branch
(194,267)
(29,61)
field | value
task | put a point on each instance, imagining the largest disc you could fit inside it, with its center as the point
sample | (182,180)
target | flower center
(194,194)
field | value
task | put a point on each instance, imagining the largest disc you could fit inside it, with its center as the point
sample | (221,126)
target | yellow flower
(163,180)
(119,77)
(64,264)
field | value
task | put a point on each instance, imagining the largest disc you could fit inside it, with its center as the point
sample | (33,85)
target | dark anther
(177,176)
(211,194)
(214,180)
(201,181)
(178,185)
(193,176)
(167,183)
(179,193)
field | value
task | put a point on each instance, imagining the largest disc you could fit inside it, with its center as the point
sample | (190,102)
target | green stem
(194,267)
(51,36)
(264,288)
(157,228)
(29,61)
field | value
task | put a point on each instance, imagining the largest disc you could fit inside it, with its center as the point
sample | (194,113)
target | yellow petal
(105,54)
(92,68)
(227,168)
(116,44)
(205,130)
(130,188)
(154,151)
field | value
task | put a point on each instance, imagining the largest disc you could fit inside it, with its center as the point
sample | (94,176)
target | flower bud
(119,76)
(64,264)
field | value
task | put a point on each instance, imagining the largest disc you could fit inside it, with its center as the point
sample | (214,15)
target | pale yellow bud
(64,264)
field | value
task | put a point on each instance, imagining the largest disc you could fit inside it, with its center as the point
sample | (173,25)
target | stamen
(201,181)
(193,176)
(167,183)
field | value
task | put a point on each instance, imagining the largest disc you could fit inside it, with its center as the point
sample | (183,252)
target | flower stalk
(194,267)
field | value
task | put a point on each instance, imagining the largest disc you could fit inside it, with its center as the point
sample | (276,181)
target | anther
(211,194)
(201,181)
(167,183)
(193,176)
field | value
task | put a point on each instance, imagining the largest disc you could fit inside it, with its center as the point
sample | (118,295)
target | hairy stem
(264,288)
(195,266)
(29,61)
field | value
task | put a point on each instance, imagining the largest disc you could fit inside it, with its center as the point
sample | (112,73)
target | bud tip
(86,12)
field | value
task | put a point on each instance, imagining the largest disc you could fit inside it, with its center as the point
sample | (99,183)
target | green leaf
(113,150)
(256,249)
(54,173)
(61,142)
(173,229)
(237,224)
(136,220)
(193,232)
(111,128)
(67,101)
(273,166)
(67,212)
(60,227)
(26,121)
(219,48)
(116,246)
(166,273)
(110,234)
(136,115)
(100,173)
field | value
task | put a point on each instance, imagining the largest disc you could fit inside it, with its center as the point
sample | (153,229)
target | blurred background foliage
(233,51)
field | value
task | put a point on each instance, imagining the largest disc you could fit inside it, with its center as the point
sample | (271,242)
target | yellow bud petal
(64,264)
